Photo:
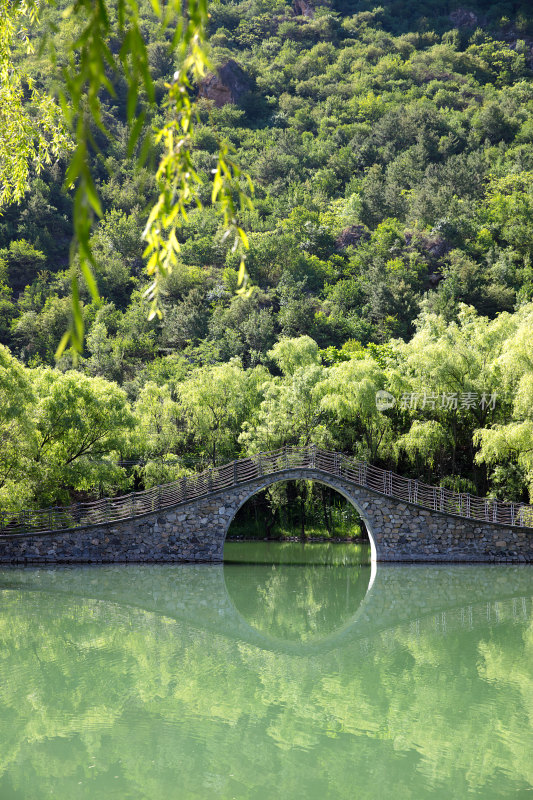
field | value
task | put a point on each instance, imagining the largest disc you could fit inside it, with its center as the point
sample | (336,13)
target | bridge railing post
(184,487)
(235,473)
(313,456)
(512,514)
(260,465)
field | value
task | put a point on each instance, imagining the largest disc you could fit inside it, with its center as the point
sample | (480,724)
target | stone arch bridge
(188,520)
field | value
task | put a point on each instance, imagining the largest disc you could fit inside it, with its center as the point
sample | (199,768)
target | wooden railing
(359,473)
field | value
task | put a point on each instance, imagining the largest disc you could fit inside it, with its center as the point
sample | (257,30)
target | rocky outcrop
(463,18)
(228,85)
(303,8)
(351,235)
(433,248)
(431,245)
(517,41)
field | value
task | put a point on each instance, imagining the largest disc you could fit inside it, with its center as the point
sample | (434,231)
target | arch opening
(299,510)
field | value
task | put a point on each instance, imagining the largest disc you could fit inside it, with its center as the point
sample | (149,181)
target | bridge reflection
(299,611)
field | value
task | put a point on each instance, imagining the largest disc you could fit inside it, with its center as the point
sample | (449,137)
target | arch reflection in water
(293,592)
(149,682)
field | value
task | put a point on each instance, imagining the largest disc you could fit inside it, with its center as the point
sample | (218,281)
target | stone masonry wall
(196,531)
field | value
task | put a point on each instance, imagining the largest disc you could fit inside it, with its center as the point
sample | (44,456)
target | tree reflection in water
(278,589)
(103,698)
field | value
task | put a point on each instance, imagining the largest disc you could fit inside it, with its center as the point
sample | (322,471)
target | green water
(292,680)
(257,552)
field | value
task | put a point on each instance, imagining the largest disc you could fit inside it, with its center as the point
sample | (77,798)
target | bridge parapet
(211,482)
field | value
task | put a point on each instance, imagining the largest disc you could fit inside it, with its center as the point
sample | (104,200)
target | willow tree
(82,425)
(17,432)
(214,402)
(507,446)
(32,130)
(348,399)
(157,434)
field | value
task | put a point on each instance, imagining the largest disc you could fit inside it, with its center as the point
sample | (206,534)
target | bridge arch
(317,477)
(187,520)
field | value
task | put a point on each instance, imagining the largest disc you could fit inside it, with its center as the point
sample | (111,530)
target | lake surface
(267,680)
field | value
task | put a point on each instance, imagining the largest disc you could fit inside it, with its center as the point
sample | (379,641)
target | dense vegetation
(390,249)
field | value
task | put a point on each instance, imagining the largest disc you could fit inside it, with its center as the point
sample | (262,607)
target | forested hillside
(391,238)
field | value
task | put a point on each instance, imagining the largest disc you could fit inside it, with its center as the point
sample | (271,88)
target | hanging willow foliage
(32,130)
(31,134)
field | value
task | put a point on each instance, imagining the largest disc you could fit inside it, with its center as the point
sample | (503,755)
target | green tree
(158,434)
(91,70)
(214,402)
(293,354)
(425,443)
(507,446)
(23,262)
(289,413)
(82,425)
(17,433)
(33,130)
(348,399)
